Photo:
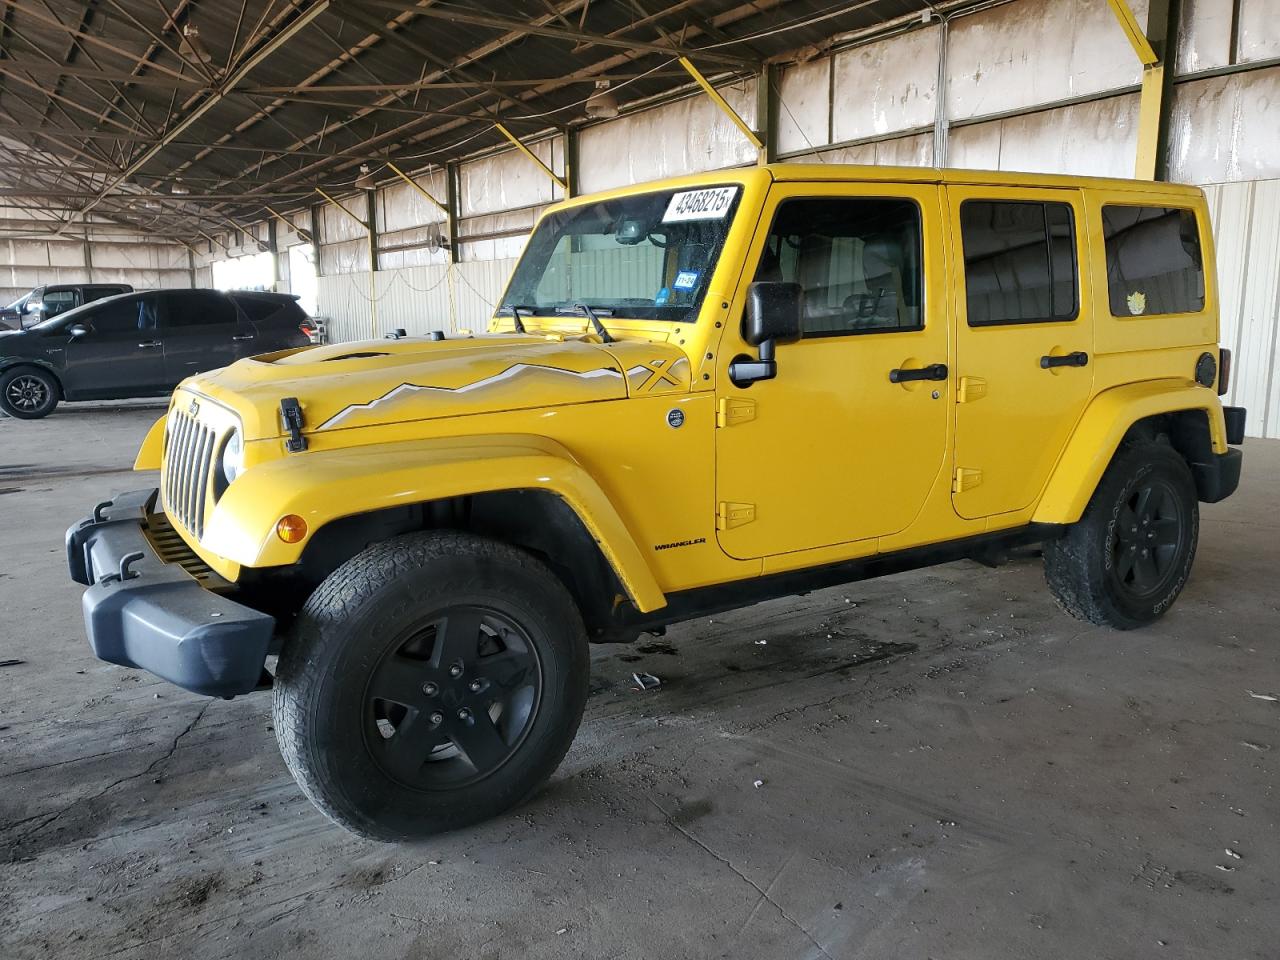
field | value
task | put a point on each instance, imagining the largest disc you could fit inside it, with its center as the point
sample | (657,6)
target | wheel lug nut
(464,714)
(475,686)
(436,718)
(430,689)
(455,670)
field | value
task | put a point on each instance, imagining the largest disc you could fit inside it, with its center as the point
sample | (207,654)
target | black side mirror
(77,330)
(775,313)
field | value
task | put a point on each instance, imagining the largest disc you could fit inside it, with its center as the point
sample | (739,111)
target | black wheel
(432,681)
(1127,559)
(28,393)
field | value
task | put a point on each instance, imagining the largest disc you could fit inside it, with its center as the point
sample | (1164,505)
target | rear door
(1024,342)
(203,330)
(119,355)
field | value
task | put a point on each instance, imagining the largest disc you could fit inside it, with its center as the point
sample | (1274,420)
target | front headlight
(231,463)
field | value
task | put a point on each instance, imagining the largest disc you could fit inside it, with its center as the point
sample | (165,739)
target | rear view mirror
(77,330)
(774,313)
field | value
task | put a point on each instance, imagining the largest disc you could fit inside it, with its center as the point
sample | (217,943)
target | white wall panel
(886,86)
(510,179)
(804,115)
(1226,128)
(1033,52)
(1246,219)
(682,137)
(401,207)
(1204,35)
(1259,30)
(1098,139)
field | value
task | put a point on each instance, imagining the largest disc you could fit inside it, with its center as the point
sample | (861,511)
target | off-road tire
(326,667)
(1082,568)
(28,393)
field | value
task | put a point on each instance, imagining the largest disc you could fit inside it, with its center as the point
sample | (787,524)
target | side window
(97,293)
(1153,260)
(199,308)
(59,301)
(130,315)
(1019,261)
(858,260)
(258,309)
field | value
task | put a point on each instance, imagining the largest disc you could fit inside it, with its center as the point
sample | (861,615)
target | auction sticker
(710,204)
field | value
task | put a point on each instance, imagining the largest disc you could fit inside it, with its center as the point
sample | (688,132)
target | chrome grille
(188,459)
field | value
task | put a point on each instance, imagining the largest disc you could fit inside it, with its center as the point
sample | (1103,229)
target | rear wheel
(432,681)
(1126,560)
(28,393)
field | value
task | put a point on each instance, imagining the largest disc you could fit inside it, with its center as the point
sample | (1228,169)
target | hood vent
(362,355)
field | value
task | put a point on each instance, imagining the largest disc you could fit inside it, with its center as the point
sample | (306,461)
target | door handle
(247,336)
(149,344)
(1077,359)
(934,371)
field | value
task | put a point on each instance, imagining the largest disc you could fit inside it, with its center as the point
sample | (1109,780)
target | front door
(119,354)
(1025,341)
(202,331)
(847,441)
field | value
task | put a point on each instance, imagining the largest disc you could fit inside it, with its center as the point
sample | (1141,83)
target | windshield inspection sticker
(686,280)
(710,204)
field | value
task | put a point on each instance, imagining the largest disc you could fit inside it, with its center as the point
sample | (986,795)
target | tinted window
(97,293)
(1019,261)
(857,259)
(1153,260)
(59,301)
(128,315)
(259,309)
(191,308)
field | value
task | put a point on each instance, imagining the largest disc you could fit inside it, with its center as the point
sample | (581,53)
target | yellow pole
(722,103)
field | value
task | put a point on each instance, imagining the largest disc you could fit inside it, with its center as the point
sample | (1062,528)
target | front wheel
(432,681)
(28,393)
(1126,560)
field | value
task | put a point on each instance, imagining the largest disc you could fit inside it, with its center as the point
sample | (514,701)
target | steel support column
(371,230)
(1156,48)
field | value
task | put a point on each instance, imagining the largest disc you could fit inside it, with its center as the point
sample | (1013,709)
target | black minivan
(141,345)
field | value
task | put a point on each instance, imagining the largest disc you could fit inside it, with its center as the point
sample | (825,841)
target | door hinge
(971,389)
(730,515)
(966,479)
(733,411)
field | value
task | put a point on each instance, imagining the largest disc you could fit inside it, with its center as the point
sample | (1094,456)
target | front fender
(325,485)
(1098,434)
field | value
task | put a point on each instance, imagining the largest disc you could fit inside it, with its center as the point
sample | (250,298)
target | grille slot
(188,460)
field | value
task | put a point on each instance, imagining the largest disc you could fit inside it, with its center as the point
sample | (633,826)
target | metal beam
(456,15)
(723,104)
(1133,31)
(531,155)
(414,183)
(208,103)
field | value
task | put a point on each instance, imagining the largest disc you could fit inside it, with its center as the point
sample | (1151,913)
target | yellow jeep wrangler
(695,395)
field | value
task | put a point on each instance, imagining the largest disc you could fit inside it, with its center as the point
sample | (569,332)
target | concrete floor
(949,768)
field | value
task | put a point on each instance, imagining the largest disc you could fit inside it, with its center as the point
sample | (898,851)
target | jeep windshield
(647,256)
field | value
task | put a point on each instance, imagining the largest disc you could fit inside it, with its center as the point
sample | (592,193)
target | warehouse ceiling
(183,117)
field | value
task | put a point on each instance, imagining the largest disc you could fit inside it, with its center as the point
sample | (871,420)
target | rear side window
(199,308)
(858,260)
(1154,264)
(260,309)
(130,315)
(1019,261)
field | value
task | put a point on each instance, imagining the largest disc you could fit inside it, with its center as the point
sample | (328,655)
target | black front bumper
(142,612)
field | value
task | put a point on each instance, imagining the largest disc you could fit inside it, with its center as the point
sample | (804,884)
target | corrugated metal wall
(1246,218)
(417,299)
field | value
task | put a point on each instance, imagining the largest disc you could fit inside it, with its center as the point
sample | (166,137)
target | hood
(372,382)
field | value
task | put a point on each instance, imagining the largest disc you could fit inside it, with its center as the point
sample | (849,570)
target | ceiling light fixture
(603,104)
(365,180)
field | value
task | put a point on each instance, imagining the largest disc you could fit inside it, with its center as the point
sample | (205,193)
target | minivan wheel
(1127,559)
(28,393)
(432,681)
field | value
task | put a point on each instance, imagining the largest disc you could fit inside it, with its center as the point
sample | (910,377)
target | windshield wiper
(515,315)
(590,314)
